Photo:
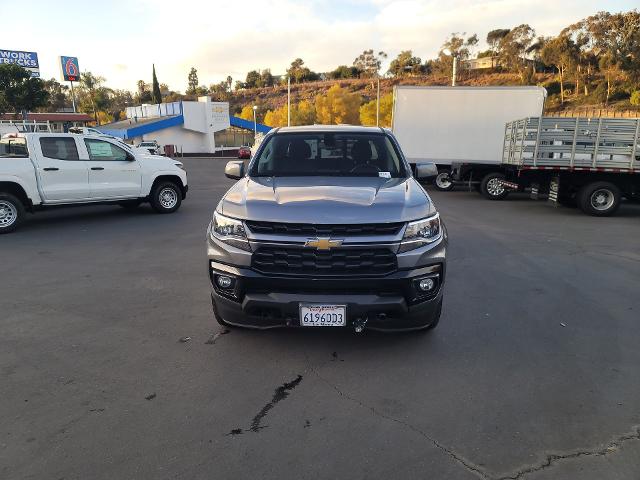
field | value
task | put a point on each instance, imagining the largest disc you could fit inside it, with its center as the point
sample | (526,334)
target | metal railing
(566,142)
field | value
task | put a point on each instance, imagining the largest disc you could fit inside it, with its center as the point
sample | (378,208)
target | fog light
(426,284)
(223,281)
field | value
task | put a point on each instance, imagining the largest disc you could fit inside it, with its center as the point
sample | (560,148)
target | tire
(12,213)
(490,187)
(599,199)
(166,197)
(443,181)
(130,204)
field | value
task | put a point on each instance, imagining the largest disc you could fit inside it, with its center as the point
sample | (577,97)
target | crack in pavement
(596,452)
(280,394)
(469,466)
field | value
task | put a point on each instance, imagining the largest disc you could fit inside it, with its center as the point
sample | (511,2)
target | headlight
(229,231)
(421,232)
(179,165)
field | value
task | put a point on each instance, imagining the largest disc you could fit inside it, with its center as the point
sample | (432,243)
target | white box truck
(460,125)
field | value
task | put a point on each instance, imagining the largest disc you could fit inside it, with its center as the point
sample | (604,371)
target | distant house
(480,63)
(58,122)
(484,63)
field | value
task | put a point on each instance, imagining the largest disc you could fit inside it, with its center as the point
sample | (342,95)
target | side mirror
(131,157)
(426,171)
(234,170)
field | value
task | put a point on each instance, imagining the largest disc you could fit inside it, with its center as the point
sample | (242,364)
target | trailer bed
(561,143)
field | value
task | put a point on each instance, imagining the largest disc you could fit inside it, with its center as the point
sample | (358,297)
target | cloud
(227,37)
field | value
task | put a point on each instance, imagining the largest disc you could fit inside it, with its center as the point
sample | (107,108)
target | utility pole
(255,124)
(378,104)
(288,101)
(73,98)
(455,71)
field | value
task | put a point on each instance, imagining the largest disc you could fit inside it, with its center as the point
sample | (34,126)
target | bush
(635,98)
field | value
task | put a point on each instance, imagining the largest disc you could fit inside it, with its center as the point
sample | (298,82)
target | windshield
(13,147)
(328,154)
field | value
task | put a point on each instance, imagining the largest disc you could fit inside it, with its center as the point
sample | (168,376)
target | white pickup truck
(40,170)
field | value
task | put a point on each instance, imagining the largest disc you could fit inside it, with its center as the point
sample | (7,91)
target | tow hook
(359,324)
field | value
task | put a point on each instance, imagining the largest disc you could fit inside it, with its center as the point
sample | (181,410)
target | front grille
(326,230)
(338,261)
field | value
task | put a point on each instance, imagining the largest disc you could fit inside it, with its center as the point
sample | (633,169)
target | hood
(327,200)
(156,160)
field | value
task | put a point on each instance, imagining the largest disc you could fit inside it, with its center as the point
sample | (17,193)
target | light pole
(255,124)
(378,103)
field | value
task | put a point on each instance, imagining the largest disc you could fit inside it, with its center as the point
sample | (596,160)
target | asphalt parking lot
(113,367)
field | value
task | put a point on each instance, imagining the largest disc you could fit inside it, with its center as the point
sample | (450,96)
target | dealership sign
(70,69)
(220,116)
(28,60)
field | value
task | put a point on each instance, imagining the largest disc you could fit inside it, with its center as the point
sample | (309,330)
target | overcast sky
(120,39)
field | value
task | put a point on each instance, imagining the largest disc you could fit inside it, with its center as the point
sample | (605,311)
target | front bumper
(392,302)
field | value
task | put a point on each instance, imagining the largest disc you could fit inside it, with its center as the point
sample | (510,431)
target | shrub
(635,98)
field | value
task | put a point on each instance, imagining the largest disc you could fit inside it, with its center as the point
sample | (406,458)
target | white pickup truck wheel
(11,213)
(166,197)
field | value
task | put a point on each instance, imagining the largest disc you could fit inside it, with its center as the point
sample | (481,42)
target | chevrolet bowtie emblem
(323,243)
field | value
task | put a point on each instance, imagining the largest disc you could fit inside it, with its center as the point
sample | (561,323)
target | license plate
(316,315)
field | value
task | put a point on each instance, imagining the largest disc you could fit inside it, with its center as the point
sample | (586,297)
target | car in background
(151,146)
(244,152)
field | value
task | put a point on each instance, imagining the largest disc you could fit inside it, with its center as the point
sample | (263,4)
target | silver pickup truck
(327,227)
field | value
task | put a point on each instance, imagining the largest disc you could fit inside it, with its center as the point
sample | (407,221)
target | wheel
(12,213)
(492,188)
(443,181)
(130,204)
(599,199)
(166,197)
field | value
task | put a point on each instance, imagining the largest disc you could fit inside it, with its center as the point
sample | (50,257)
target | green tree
(58,96)
(344,71)
(368,111)
(405,63)
(266,79)
(494,40)
(561,53)
(252,80)
(143,94)
(338,106)
(192,81)
(156,94)
(19,93)
(93,97)
(369,63)
(298,73)
(514,47)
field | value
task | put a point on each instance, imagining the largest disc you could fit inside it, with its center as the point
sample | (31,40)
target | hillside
(271,98)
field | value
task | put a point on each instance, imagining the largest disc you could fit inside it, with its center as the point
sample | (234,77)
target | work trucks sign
(28,60)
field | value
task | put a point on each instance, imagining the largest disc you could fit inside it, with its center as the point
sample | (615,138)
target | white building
(190,127)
